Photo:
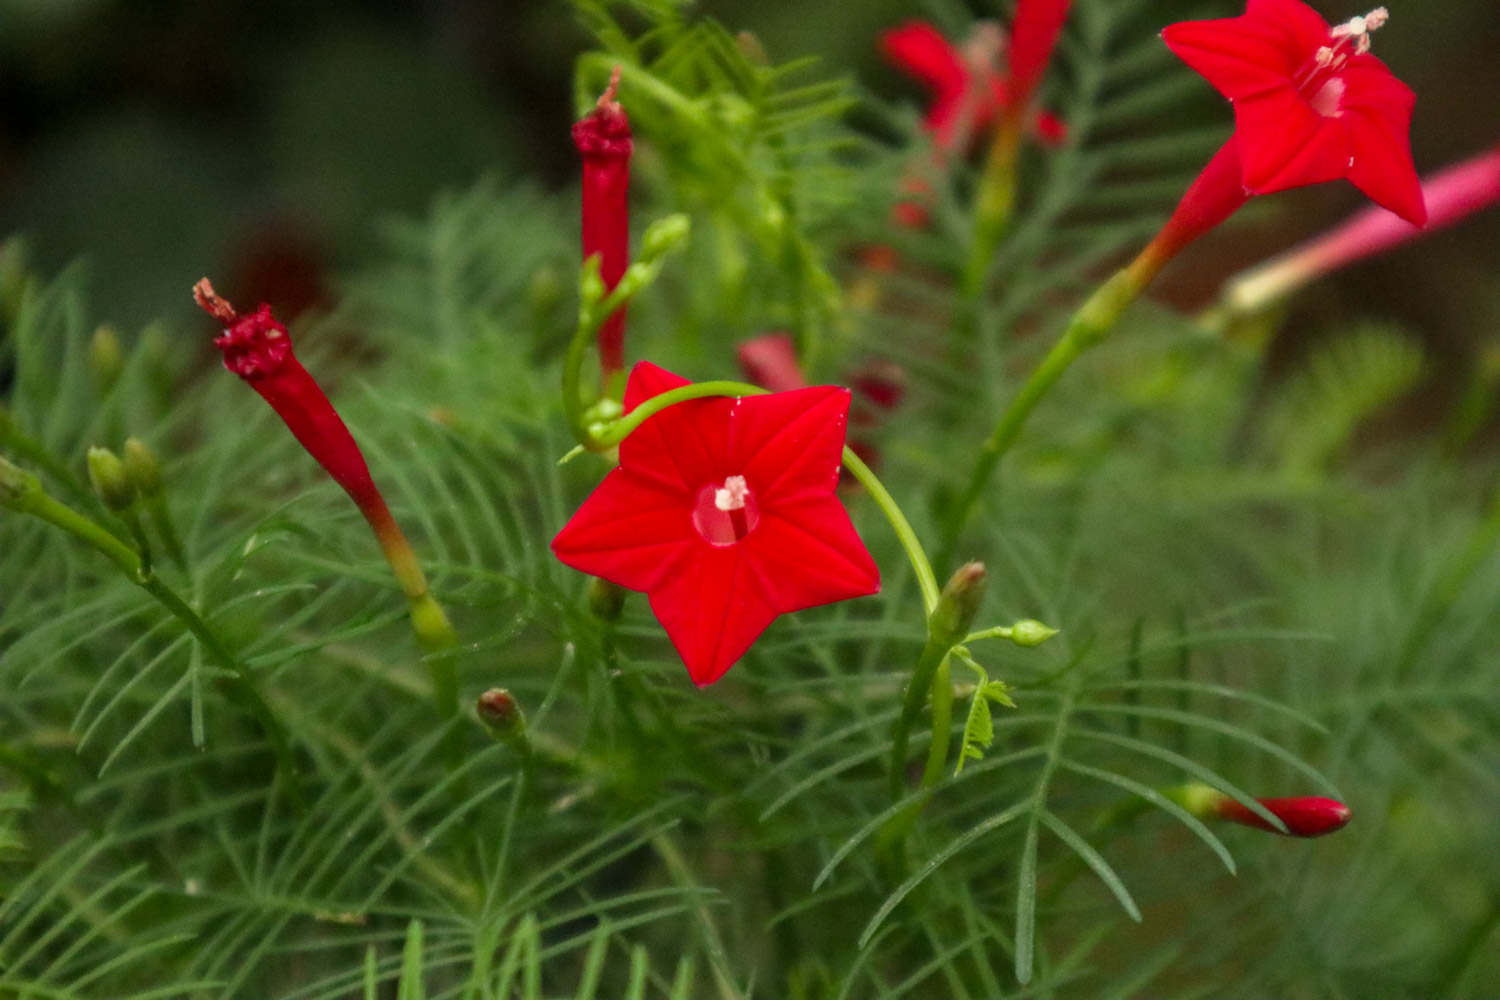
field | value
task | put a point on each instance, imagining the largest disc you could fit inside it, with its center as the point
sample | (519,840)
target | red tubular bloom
(723,511)
(604,143)
(1033,34)
(1304,816)
(1310,102)
(1451,195)
(257,349)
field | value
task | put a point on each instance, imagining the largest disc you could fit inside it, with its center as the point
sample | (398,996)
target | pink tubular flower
(604,143)
(1451,195)
(722,510)
(1304,816)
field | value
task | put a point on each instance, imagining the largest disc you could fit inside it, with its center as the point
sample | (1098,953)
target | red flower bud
(604,142)
(1304,816)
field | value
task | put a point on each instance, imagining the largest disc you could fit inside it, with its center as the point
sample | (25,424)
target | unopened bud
(17,485)
(142,467)
(501,714)
(958,604)
(106,358)
(1303,815)
(664,235)
(110,480)
(590,285)
(606,600)
(1029,632)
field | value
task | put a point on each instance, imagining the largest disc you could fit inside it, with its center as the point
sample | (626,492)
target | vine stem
(245,691)
(1088,326)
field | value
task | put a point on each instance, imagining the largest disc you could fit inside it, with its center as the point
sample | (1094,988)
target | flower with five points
(968,82)
(723,511)
(1311,104)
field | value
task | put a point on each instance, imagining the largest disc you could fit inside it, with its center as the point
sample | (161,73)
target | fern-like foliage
(1311,630)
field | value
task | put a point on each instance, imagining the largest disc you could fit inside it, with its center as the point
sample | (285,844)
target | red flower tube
(1452,195)
(1304,816)
(1311,104)
(604,143)
(256,347)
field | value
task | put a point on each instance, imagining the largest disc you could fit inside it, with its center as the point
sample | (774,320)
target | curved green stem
(129,562)
(1089,325)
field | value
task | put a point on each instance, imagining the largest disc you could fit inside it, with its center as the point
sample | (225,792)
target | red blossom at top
(1311,103)
(723,511)
(604,143)
(969,85)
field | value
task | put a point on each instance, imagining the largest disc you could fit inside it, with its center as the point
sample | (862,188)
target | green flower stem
(29,449)
(992,210)
(161,519)
(1089,325)
(617,431)
(245,691)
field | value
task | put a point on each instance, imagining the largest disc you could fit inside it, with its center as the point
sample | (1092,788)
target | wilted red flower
(1311,104)
(1304,816)
(604,143)
(723,511)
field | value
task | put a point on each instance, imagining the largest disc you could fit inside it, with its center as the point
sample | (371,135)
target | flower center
(723,514)
(1318,82)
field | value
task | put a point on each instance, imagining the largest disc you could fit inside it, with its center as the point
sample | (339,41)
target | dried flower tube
(256,347)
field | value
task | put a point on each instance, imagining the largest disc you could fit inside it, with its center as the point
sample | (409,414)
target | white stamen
(731,496)
(1324,57)
(1359,28)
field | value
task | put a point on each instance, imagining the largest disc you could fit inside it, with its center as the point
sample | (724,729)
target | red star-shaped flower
(969,85)
(1310,102)
(723,511)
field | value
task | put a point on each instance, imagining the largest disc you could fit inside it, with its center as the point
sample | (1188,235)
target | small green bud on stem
(606,600)
(106,358)
(110,480)
(142,468)
(957,605)
(17,486)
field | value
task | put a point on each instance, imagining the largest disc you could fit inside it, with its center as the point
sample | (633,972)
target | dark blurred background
(262,141)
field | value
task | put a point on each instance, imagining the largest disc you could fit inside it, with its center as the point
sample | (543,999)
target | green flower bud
(590,285)
(110,481)
(106,357)
(1029,632)
(606,600)
(664,235)
(142,467)
(958,604)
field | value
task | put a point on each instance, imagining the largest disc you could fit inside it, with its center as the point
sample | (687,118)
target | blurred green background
(262,142)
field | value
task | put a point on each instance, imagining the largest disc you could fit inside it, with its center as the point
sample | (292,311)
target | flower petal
(810,554)
(630,531)
(683,446)
(789,444)
(921,51)
(713,610)
(1284,143)
(1381,166)
(1240,56)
